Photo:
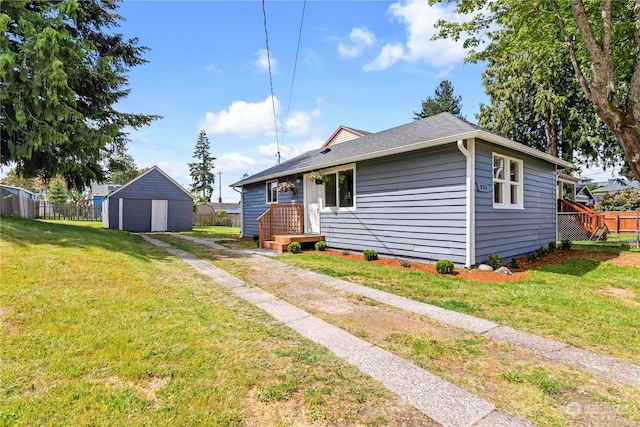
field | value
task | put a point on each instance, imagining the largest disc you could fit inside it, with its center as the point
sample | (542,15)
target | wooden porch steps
(280,242)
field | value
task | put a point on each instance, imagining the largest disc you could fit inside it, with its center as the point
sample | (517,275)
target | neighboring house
(614,186)
(16,201)
(98,191)
(436,188)
(151,202)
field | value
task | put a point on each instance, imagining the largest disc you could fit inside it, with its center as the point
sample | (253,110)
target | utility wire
(295,65)
(273,102)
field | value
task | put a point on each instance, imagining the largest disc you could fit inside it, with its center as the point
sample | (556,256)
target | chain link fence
(624,227)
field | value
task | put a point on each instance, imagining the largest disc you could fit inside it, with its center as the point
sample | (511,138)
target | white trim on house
(469,153)
(476,134)
(272,191)
(507,184)
(336,171)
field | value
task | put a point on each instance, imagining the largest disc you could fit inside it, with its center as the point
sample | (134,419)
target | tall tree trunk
(551,133)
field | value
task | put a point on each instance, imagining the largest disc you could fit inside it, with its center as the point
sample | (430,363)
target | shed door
(159,215)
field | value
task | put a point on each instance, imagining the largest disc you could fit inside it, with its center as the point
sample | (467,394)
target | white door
(159,215)
(313,202)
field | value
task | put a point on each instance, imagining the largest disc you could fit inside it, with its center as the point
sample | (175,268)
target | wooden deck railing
(281,218)
(591,220)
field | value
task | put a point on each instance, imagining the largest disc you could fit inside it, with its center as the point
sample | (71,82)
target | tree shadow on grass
(28,232)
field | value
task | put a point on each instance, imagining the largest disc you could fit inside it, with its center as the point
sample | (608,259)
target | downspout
(470,226)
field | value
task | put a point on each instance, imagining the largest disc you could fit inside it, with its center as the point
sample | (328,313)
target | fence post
(638,228)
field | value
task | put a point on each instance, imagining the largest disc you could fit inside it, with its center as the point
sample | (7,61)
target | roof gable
(344,134)
(429,132)
(154,169)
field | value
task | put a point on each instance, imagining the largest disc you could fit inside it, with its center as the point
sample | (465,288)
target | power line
(295,65)
(273,102)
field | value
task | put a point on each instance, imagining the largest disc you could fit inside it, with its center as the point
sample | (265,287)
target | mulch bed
(491,277)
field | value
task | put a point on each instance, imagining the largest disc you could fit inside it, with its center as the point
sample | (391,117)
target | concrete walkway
(606,366)
(440,400)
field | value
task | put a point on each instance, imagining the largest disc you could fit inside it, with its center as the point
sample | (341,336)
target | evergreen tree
(57,193)
(202,171)
(444,100)
(63,69)
(122,167)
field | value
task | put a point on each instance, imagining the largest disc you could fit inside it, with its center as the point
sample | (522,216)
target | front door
(159,215)
(312,203)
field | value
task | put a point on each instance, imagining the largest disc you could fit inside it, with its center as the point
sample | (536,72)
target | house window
(272,192)
(507,182)
(339,189)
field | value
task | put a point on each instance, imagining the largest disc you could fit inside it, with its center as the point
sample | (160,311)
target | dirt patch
(145,389)
(478,364)
(627,296)
(622,259)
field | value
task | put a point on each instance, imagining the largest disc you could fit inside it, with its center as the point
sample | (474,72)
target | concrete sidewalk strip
(600,365)
(441,400)
(438,399)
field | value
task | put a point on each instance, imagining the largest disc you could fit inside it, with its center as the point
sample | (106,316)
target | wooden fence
(622,222)
(84,210)
(15,205)
(217,219)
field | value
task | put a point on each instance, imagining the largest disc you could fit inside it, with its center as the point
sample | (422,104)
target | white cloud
(251,119)
(360,38)
(419,18)
(232,162)
(268,152)
(243,119)
(262,63)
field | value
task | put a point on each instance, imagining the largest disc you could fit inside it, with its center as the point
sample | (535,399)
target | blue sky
(362,64)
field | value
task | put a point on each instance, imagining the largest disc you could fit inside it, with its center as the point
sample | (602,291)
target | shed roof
(432,131)
(152,169)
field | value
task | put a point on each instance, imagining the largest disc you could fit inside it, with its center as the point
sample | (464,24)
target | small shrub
(565,244)
(444,266)
(533,256)
(294,247)
(256,238)
(404,263)
(321,246)
(495,261)
(552,247)
(542,251)
(515,262)
(370,254)
(345,253)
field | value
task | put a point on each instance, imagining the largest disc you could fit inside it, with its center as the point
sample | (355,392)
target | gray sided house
(151,202)
(436,188)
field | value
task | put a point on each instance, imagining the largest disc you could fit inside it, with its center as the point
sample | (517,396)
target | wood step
(300,238)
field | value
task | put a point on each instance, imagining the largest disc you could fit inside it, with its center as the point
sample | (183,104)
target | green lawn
(572,301)
(99,328)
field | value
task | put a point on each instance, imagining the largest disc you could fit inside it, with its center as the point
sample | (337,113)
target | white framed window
(508,190)
(339,188)
(272,191)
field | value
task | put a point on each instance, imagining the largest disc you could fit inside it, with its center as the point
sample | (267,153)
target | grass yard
(587,303)
(99,328)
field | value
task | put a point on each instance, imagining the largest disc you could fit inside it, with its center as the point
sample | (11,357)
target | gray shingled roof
(441,128)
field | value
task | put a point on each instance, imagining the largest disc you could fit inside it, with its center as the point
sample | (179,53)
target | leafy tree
(600,39)
(202,171)
(443,100)
(541,105)
(63,69)
(625,200)
(57,192)
(34,185)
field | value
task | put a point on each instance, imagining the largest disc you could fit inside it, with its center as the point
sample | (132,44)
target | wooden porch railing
(281,218)
(591,220)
